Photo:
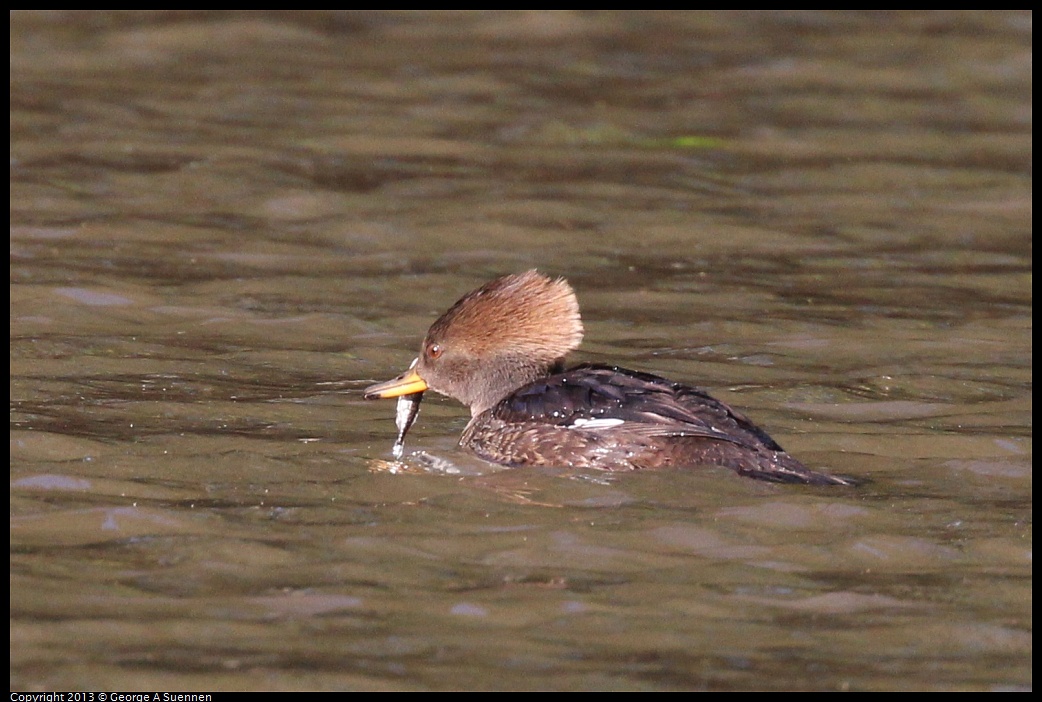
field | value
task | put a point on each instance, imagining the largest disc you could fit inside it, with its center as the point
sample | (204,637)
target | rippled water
(225,225)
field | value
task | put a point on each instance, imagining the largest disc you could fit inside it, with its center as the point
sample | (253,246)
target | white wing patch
(603,423)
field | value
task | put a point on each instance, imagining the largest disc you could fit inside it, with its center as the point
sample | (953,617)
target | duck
(500,350)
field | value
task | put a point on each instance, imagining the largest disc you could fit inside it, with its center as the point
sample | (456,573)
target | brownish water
(224,226)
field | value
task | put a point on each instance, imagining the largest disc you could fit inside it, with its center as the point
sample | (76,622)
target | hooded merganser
(500,350)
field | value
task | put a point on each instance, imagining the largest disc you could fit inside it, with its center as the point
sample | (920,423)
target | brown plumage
(500,350)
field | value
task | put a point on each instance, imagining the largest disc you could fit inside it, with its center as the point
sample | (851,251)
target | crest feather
(526,313)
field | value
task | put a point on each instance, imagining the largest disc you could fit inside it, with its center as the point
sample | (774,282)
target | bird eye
(433,351)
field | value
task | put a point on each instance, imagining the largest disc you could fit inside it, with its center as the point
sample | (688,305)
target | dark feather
(662,423)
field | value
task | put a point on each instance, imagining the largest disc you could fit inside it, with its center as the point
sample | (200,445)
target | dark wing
(642,403)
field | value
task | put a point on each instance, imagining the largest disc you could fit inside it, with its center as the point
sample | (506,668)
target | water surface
(225,225)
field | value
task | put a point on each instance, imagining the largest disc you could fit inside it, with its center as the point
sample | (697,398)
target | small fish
(404,415)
